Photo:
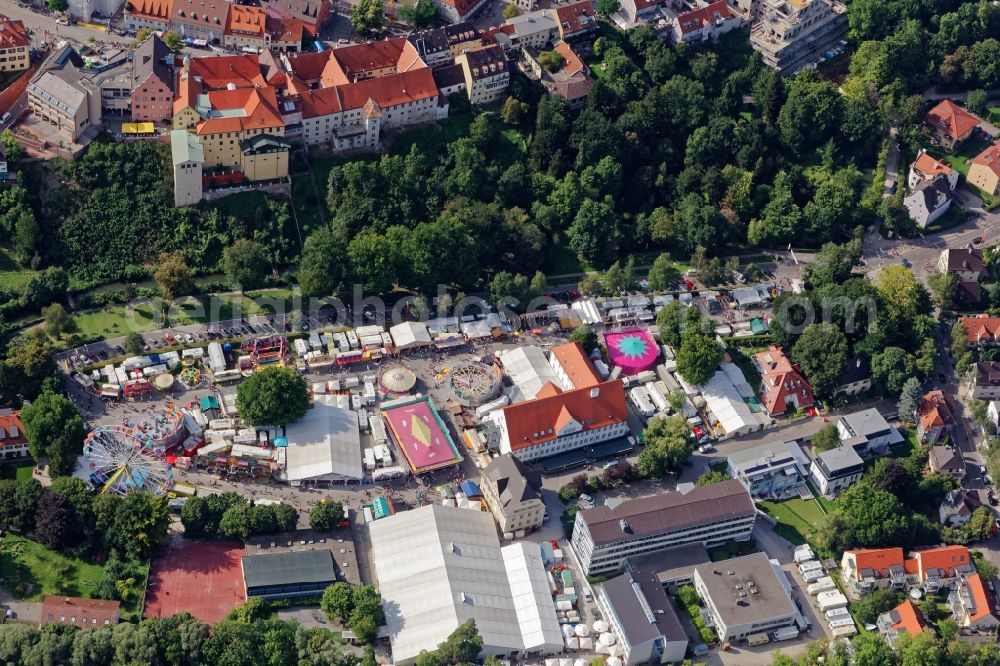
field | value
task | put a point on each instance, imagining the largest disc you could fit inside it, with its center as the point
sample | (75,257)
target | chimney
(594,392)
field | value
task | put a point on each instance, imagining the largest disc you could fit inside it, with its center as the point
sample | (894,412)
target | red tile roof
(952,119)
(539,420)
(981,329)
(878,560)
(13,34)
(573,65)
(989,158)
(575,18)
(929,166)
(463,7)
(361,59)
(246,21)
(699,18)
(83,613)
(285,29)
(946,558)
(783,379)
(411,86)
(934,411)
(979,598)
(157,10)
(12,430)
(260,111)
(208,14)
(574,362)
(218,72)
(910,620)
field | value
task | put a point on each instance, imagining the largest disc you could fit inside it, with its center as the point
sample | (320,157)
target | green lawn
(954,216)
(908,447)
(993,114)
(797,519)
(12,275)
(432,139)
(23,474)
(562,260)
(31,571)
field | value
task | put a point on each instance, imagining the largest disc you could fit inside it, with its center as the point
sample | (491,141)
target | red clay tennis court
(421,436)
(203,578)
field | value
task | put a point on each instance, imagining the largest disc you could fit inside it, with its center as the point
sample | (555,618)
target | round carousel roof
(399,379)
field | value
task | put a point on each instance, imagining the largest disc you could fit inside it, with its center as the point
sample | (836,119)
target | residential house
(200,19)
(458,11)
(604,537)
(957,506)
(638,11)
(856,377)
(987,380)
(770,471)
(836,470)
(432,46)
(869,569)
(314,14)
(535,30)
(868,433)
(981,330)
(645,622)
(285,33)
(486,73)
(557,421)
(747,595)
(576,20)
(79,612)
(462,36)
(937,568)
(946,460)
(187,159)
(905,619)
(512,491)
(246,28)
(450,80)
(704,24)
(153,14)
(15,45)
(926,167)
(13,441)
(791,36)
(783,387)
(970,606)
(952,123)
(152,93)
(934,417)
(929,200)
(984,170)
(572,81)
(966,263)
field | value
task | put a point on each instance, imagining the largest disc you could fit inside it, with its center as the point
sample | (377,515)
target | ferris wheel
(120,461)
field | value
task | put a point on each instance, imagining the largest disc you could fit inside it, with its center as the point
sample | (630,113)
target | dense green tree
(594,233)
(942,286)
(698,357)
(326,515)
(668,444)
(55,522)
(810,113)
(675,319)
(663,274)
(135,343)
(173,276)
(57,320)
(909,399)
(237,522)
(585,335)
(892,367)
(423,14)
(273,396)
(132,525)
(368,15)
(338,601)
(710,477)
(54,429)
(321,268)
(821,352)
(462,646)
(779,219)
(245,264)
(826,438)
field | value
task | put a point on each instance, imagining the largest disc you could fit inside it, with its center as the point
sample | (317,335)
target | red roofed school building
(557,421)
(783,387)
(951,123)
(78,612)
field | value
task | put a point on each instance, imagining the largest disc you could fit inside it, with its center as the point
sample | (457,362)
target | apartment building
(513,494)
(868,433)
(604,537)
(152,94)
(458,11)
(984,170)
(775,470)
(72,97)
(928,201)
(868,569)
(153,14)
(970,606)
(200,19)
(704,24)
(791,34)
(576,20)
(486,73)
(15,45)
(747,595)
(836,470)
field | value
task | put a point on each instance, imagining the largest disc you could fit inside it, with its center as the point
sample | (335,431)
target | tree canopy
(54,429)
(273,396)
